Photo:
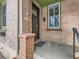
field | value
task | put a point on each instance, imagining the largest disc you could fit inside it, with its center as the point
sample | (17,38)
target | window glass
(4,15)
(51,12)
(53,16)
(0,17)
(57,10)
(56,21)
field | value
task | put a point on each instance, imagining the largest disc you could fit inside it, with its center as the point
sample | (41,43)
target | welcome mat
(40,44)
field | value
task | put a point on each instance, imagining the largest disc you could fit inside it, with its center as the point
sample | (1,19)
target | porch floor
(54,51)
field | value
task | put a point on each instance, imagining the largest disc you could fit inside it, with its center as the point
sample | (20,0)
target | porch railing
(75,36)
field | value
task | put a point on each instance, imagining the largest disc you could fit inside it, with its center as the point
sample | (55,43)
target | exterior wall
(69,19)
(12,22)
(8,43)
(69,12)
(26,16)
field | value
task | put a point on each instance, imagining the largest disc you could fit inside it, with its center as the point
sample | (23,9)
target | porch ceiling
(47,2)
(2,1)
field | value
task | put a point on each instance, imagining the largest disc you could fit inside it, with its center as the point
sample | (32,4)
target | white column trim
(20,16)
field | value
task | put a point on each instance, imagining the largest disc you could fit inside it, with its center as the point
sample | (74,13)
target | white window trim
(59,16)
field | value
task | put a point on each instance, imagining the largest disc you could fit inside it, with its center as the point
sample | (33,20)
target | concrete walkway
(54,51)
(1,56)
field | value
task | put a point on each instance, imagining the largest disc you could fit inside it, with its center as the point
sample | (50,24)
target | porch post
(26,46)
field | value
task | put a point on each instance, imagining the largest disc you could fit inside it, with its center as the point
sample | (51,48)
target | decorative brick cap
(26,36)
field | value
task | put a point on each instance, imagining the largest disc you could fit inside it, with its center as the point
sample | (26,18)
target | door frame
(33,4)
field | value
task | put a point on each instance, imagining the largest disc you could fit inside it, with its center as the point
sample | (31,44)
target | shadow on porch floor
(54,51)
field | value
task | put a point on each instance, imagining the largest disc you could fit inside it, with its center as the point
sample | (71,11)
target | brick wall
(69,19)
(26,16)
(26,46)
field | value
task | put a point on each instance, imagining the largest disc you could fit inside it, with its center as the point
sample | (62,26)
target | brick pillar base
(26,46)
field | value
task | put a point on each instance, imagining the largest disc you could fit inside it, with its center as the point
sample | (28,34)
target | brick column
(26,46)
(26,16)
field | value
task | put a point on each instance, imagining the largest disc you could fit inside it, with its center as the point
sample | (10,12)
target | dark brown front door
(35,21)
